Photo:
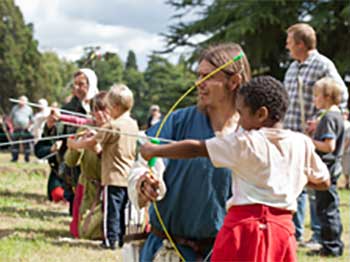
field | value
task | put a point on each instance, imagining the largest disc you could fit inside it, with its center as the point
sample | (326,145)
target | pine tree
(260,28)
(131,61)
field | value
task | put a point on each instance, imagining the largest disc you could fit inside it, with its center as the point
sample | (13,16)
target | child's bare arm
(321,186)
(178,150)
(325,146)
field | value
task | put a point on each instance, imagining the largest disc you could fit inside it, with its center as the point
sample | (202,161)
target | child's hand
(71,142)
(311,127)
(147,151)
(56,146)
(90,133)
(97,148)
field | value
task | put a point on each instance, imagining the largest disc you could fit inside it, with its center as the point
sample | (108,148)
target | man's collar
(308,60)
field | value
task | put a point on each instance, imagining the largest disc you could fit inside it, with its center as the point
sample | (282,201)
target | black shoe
(322,253)
(105,246)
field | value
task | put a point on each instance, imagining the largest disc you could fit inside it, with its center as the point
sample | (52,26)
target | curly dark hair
(266,91)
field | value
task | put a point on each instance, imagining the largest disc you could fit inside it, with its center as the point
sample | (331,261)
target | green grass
(34,229)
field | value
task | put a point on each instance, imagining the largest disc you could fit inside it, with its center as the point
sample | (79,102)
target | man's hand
(147,188)
(147,151)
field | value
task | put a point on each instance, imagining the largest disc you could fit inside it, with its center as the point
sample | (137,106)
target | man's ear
(234,82)
(263,114)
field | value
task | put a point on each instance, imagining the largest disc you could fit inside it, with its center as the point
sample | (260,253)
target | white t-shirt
(270,166)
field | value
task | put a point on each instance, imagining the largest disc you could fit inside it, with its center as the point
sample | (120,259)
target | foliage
(167,82)
(131,61)
(108,66)
(59,76)
(259,26)
(21,71)
(136,82)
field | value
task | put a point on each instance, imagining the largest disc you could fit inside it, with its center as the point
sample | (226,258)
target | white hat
(154,108)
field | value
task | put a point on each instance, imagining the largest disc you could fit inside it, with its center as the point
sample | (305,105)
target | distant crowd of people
(233,186)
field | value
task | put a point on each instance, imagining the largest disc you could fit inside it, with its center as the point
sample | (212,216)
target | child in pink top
(270,168)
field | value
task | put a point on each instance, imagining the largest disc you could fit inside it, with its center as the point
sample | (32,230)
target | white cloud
(67,26)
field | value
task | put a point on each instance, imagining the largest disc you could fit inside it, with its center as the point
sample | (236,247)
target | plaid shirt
(315,67)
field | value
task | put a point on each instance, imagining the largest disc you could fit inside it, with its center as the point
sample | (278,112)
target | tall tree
(108,66)
(136,82)
(21,71)
(259,26)
(59,76)
(167,82)
(131,61)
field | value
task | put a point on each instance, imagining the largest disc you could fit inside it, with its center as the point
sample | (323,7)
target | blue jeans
(299,216)
(21,134)
(315,221)
(114,224)
(327,203)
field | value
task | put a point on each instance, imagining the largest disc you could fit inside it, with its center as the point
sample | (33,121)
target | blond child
(329,140)
(118,154)
(270,168)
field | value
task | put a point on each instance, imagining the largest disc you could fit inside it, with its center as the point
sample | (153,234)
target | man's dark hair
(266,91)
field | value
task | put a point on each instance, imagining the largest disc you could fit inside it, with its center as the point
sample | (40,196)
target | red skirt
(256,233)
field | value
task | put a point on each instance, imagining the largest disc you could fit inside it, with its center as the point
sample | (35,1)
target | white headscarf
(92,78)
(93,90)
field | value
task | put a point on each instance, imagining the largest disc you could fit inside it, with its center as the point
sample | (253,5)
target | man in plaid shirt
(308,67)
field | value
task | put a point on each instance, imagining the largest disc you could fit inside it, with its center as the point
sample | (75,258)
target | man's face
(213,91)
(81,86)
(293,47)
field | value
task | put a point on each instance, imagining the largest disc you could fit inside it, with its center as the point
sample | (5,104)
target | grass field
(33,229)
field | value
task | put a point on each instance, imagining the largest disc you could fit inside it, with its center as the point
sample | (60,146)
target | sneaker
(313,244)
(105,246)
(300,242)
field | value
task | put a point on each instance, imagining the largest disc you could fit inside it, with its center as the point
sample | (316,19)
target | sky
(67,26)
